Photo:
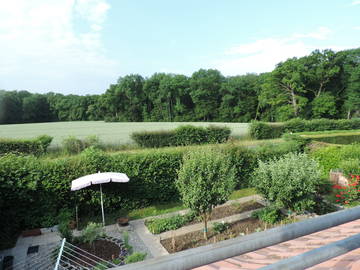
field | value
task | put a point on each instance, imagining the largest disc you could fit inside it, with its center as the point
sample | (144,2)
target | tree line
(324,84)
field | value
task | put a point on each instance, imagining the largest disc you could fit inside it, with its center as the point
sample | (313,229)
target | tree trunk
(294,103)
(348,114)
(205,217)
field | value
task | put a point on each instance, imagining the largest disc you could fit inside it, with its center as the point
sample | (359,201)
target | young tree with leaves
(205,179)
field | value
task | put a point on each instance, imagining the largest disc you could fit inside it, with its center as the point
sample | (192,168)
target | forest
(323,84)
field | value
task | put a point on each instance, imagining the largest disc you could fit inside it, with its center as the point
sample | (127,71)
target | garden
(198,169)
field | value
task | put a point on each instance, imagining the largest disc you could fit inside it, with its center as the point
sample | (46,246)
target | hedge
(35,146)
(34,189)
(261,130)
(181,136)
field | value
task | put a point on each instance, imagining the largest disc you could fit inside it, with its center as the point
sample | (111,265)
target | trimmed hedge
(33,190)
(35,146)
(261,130)
(181,136)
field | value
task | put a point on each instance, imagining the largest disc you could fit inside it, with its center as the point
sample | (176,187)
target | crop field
(114,133)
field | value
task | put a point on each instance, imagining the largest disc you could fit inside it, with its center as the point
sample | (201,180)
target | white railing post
(59,255)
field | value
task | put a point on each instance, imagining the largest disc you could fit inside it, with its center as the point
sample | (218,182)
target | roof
(272,254)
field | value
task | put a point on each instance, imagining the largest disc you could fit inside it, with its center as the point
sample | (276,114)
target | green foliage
(336,157)
(350,167)
(26,181)
(261,130)
(220,227)
(65,231)
(72,145)
(135,257)
(205,179)
(160,225)
(301,142)
(289,181)
(93,231)
(154,139)
(128,247)
(35,146)
(269,214)
(183,135)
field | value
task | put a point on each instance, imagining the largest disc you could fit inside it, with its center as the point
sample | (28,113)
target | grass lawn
(329,133)
(114,133)
(154,210)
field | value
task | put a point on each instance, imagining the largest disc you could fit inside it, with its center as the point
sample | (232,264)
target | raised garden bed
(171,223)
(196,239)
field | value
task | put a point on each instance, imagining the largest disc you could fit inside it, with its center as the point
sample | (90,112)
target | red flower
(337,201)
(338,195)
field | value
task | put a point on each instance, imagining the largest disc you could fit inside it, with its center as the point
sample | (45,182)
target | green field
(109,133)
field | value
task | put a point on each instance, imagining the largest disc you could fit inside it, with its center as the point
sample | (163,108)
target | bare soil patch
(196,239)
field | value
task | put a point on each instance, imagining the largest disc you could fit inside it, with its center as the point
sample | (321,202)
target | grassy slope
(109,133)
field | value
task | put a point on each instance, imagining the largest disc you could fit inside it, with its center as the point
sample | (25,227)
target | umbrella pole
(102,206)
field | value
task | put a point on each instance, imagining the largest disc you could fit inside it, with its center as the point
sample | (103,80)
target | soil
(196,239)
(234,208)
(103,249)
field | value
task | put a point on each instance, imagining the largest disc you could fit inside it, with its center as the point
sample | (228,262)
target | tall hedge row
(33,190)
(261,130)
(35,146)
(181,136)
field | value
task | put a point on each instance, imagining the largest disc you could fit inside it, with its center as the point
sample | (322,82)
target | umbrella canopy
(98,178)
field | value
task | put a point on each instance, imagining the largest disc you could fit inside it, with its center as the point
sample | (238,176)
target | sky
(83,46)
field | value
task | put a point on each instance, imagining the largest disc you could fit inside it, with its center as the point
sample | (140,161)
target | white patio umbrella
(99,178)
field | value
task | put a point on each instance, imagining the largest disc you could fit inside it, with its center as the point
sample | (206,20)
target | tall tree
(205,92)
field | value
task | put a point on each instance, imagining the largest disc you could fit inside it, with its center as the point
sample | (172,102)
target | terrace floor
(272,254)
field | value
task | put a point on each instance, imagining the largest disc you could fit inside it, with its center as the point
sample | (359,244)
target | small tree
(205,180)
(289,181)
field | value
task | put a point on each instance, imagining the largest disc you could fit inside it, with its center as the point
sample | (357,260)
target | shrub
(154,139)
(301,142)
(45,141)
(217,134)
(160,225)
(37,146)
(261,130)
(73,145)
(183,135)
(135,257)
(93,231)
(220,227)
(350,167)
(269,214)
(205,179)
(289,181)
(27,181)
(65,231)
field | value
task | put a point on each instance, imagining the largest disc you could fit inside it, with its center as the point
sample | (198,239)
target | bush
(73,145)
(350,167)
(261,130)
(183,135)
(300,142)
(269,214)
(154,139)
(135,257)
(27,181)
(289,181)
(65,231)
(37,146)
(160,225)
(217,134)
(93,231)
(220,227)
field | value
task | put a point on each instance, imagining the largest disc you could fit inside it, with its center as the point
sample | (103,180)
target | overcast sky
(82,46)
